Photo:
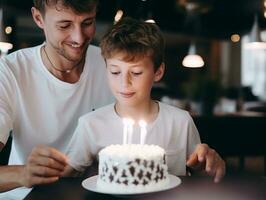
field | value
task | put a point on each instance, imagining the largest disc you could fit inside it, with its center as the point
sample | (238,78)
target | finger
(220,172)
(44,180)
(53,153)
(44,171)
(47,162)
(218,175)
(211,160)
(202,151)
(192,160)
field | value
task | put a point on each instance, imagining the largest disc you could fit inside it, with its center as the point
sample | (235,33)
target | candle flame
(142,123)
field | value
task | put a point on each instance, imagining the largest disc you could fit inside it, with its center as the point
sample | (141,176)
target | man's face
(68,33)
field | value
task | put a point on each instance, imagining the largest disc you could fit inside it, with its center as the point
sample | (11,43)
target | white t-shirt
(41,109)
(173,130)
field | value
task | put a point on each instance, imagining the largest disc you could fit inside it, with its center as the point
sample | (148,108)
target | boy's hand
(44,165)
(208,160)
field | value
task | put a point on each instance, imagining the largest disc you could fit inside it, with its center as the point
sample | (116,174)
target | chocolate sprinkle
(111,177)
(132,170)
(124,173)
(148,175)
(115,169)
(140,174)
(138,161)
(135,182)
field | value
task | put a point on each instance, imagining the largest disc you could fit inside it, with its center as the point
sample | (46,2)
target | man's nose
(77,35)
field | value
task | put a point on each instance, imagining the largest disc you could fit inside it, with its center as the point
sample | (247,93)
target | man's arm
(1,146)
(44,165)
(70,172)
(8,173)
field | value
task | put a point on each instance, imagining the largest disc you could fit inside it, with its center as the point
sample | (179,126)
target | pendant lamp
(192,60)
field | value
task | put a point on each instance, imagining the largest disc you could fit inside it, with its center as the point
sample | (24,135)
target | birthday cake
(132,168)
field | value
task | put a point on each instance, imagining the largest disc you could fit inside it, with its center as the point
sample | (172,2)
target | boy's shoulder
(173,110)
(98,114)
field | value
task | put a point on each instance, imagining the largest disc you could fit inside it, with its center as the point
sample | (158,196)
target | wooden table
(199,188)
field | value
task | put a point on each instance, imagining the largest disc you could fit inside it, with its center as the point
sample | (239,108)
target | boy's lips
(126,94)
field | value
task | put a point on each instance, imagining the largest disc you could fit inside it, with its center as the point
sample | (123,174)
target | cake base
(123,189)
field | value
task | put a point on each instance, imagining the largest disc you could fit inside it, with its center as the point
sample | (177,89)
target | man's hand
(208,160)
(44,165)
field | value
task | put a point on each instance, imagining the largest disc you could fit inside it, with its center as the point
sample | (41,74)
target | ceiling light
(118,15)
(150,21)
(193,60)
(8,30)
(4,45)
(255,41)
(235,38)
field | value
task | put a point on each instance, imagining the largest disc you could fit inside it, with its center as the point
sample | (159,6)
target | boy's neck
(148,111)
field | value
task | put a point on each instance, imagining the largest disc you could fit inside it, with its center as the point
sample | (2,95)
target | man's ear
(37,17)
(159,72)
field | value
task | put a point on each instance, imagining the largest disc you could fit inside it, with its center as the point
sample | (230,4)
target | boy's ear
(159,72)
(37,17)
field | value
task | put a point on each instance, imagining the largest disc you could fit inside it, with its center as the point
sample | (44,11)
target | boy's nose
(126,80)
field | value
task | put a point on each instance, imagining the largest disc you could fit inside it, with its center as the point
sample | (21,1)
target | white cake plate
(91,184)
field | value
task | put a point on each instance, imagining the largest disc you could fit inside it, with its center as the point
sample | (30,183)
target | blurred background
(215,64)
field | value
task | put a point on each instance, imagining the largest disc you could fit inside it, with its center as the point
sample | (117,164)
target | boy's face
(131,82)
(67,32)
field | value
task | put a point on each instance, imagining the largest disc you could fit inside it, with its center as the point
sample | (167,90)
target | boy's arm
(207,161)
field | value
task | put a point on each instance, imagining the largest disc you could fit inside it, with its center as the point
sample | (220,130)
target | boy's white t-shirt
(41,109)
(173,130)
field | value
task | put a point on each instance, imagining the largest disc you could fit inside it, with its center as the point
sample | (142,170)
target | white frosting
(129,151)
(132,168)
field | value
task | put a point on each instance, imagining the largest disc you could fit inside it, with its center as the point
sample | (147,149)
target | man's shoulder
(94,58)
(18,61)
(94,50)
(21,54)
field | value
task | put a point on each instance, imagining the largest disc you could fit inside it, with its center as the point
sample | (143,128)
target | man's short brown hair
(80,6)
(136,39)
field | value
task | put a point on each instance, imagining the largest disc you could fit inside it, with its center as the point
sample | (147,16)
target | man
(46,88)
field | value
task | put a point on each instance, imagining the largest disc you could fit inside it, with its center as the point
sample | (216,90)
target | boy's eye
(136,73)
(115,72)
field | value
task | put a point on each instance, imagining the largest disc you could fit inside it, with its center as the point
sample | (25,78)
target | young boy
(134,54)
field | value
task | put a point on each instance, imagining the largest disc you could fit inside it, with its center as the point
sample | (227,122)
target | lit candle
(125,130)
(143,131)
(130,130)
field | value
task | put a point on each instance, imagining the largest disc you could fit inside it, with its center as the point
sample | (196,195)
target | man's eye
(88,23)
(64,26)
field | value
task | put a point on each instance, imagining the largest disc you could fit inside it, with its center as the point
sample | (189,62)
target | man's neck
(72,76)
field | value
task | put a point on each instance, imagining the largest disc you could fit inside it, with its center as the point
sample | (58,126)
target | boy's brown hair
(80,6)
(136,39)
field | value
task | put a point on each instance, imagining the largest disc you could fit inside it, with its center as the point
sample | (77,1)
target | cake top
(132,151)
